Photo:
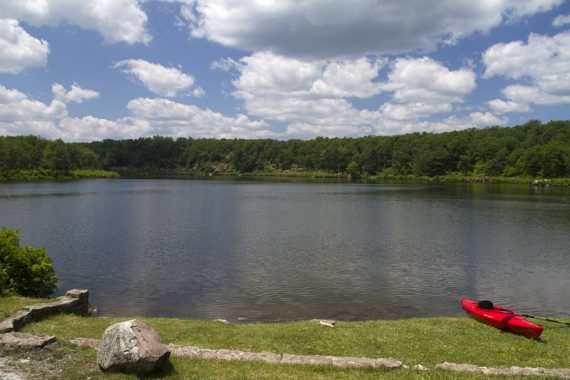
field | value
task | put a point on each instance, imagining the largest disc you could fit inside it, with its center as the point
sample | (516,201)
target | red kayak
(501,318)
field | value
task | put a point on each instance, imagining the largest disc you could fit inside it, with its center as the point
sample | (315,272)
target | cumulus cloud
(19,49)
(170,118)
(561,20)
(21,115)
(314,98)
(160,80)
(266,74)
(349,79)
(427,81)
(501,106)
(75,94)
(307,95)
(543,63)
(486,119)
(116,20)
(334,28)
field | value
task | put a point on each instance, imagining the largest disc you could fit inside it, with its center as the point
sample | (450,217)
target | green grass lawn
(426,341)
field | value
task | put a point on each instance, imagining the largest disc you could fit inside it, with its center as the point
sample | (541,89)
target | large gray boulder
(132,347)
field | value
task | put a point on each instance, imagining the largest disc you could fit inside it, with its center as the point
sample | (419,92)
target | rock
(132,347)
(16,339)
(6,325)
(224,321)
(9,376)
(327,322)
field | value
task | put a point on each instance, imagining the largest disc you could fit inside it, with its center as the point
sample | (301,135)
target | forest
(529,150)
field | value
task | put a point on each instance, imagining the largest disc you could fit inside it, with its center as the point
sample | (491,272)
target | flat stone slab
(268,357)
(561,373)
(341,361)
(204,353)
(16,339)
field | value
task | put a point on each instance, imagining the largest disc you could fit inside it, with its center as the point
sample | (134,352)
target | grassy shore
(426,341)
(390,176)
(37,175)
(47,175)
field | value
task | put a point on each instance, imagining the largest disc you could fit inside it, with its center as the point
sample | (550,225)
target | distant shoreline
(46,175)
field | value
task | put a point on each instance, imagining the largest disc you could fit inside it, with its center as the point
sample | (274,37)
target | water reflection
(287,251)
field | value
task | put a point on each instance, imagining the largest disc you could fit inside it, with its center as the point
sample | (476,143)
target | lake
(272,251)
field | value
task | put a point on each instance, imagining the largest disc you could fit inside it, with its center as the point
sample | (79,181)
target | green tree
(25,270)
(56,157)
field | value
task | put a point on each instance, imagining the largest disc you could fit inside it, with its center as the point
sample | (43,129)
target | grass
(92,173)
(64,361)
(11,304)
(426,341)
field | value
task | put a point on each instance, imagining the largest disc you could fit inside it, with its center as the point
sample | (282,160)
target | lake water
(270,251)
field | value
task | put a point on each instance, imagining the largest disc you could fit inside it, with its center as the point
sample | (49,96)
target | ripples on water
(288,251)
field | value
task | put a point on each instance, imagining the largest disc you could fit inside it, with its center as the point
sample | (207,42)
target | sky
(282,69)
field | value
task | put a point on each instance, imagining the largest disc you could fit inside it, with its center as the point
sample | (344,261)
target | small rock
(419,367)
(131,347)
(224,321)
(327,322)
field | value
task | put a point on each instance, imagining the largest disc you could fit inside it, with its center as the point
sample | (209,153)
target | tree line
(532,149)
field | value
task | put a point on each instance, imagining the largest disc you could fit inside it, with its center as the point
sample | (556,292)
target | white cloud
(90,128)
(349,79)
(501,106)
(427,81)
(19,49)
(561,20)
(333,28)
(486,119)
(225,65)
(266,74)
(313,98)
(169,118)
(116,20)
(413,111)
(160,80)
(543,63)
(306,95)
(21,115)
(15,105)
(76,94)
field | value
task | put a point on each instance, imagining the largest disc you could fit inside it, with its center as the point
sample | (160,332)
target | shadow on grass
(167,370)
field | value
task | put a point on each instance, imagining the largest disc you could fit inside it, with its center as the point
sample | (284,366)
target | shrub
(26,271)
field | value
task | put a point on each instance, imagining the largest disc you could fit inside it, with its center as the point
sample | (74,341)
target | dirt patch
(36,364)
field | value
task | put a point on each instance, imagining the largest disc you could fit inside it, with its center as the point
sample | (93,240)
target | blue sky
(96,69)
